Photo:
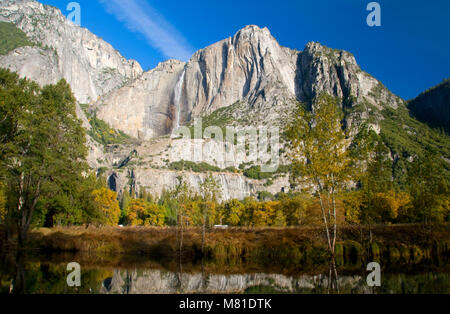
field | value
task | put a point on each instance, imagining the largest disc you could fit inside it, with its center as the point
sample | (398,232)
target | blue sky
(409,53)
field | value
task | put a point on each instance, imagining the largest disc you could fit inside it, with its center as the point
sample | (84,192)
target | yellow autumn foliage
(106,201)
(387,206)
(142,213)
(353,201)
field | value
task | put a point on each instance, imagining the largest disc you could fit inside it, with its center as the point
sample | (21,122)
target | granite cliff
(248,79)
(90,65)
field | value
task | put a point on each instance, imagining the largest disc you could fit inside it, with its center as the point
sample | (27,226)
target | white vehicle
(221,227)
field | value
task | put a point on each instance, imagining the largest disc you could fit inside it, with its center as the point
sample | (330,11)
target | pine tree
(124,203)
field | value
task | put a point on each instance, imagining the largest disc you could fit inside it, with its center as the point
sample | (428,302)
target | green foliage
(232,212)
(430,189)
(170,204)
(210,191)
(183,165)
(101,132)
(254,172)
(373,170)
(299,210)
(124,203)
(318,144)
(221,118)
(182,207)
(74,205)
(148,197)
(406,137)
(265,196)
(43,156)
(11,38)
(2,204)
(379,200)
(43,148)
(320,156)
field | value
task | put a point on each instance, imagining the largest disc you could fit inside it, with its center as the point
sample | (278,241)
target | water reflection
(333,279)
(133,275)
(162,282)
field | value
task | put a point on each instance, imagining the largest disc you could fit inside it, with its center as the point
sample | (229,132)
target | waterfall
(177,98)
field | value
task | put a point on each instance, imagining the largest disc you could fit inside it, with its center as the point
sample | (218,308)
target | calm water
(38,273)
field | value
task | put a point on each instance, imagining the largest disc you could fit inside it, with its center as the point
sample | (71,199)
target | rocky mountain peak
(17,2)
(253,33)
(168,65)
(336,72)
(64,50)
(315,49)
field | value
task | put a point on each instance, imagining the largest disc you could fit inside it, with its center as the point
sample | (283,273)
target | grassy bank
(409,243)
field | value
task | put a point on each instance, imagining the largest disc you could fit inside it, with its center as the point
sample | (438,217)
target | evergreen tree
(42,146)
(124,203)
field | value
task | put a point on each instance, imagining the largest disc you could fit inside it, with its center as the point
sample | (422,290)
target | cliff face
(322,69)
(245,80)
(253,69)
(156,180)
(145,108)
(90,65)
(250,66)
(149,166)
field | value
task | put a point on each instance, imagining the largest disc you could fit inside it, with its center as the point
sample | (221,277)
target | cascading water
(177,98)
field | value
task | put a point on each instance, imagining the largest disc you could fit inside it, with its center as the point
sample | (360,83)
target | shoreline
(410,243)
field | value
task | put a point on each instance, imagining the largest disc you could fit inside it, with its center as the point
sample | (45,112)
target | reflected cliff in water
(40,273)
(163,282)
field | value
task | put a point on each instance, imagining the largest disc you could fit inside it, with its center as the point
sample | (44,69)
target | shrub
(183,165)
